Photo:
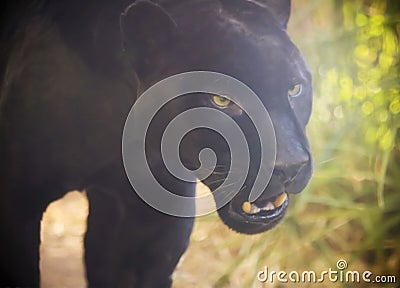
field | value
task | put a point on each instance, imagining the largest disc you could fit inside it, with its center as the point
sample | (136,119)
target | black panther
(71,71)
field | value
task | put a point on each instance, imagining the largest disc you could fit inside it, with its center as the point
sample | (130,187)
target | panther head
(245,39)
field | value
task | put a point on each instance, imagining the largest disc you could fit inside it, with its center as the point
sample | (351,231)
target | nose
(289,163)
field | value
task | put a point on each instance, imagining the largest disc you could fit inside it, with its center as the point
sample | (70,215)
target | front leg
(129,244)
(104,222)
(152,242)
(161,241)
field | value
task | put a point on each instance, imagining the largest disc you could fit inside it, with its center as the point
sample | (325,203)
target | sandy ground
(63,227)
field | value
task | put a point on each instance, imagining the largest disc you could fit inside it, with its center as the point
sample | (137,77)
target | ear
(280,9)
(147,32)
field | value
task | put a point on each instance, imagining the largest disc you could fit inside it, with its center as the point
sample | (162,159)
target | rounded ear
(280,9)
(147,32)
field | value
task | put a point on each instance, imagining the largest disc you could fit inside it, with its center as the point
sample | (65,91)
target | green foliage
(355,132)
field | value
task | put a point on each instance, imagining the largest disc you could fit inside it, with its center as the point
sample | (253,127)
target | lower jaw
(244,223)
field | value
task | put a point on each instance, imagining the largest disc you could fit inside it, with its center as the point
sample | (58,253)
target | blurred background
(350,210)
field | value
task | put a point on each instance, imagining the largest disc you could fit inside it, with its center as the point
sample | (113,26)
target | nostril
(288,172)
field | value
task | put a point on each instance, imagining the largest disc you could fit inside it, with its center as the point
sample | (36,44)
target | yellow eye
(220,101)
(295,90)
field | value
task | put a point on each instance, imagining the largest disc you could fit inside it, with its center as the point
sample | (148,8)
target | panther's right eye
(220,102)
(295,90)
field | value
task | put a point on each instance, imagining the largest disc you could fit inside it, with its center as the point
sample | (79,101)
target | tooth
(246,207)
(280,200)
(254,209)
(269,206)
(249,208)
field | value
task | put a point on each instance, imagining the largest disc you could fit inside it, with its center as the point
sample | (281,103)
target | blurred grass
(351,209)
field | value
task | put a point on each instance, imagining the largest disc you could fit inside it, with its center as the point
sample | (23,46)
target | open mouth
(269,208)
(259,216)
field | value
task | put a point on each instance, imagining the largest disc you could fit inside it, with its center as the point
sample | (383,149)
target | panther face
(247,40)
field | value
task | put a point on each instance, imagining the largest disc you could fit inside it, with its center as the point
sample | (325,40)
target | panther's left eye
(295,90)
(220,102)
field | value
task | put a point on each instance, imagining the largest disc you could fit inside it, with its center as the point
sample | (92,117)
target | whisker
(228,195)
(325,161)
(219,181)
